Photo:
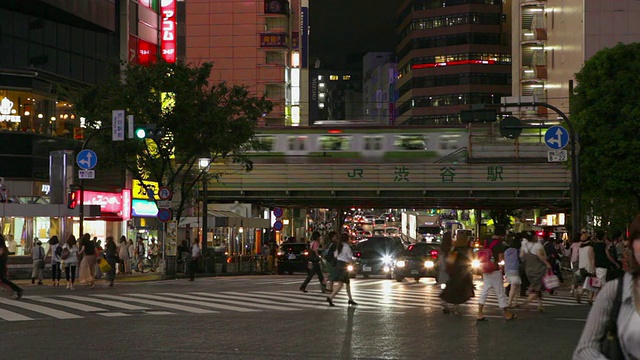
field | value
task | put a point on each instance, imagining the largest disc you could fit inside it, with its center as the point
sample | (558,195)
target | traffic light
(149,131)
(478,116)
(72,199)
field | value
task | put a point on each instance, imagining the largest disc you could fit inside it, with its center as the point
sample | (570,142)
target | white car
(369,218)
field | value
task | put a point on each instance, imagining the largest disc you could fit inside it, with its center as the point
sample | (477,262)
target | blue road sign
(556,137)
(87,159)
(277,226)
(164,215)
(277,212)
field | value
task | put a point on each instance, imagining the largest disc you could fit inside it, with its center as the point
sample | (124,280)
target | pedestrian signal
(72,199)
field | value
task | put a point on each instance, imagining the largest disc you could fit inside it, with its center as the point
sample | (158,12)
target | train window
(335,142)
(297,143)
(449,142)
(373,142)
(410,142)
(262,143)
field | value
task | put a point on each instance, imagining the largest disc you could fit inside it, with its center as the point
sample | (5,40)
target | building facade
(261,44)
(452,54)
(379,87)
(552,39)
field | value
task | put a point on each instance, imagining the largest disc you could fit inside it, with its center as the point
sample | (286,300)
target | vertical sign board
(117,125)
(130,126)
(168,40)
(171,238)
(304,37)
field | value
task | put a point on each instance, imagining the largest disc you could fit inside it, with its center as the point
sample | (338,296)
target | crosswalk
(383,295)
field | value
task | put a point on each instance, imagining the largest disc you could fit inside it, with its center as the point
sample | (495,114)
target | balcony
(276,7)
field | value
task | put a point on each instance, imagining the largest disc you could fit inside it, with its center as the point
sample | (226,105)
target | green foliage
(605,111)
(203,120)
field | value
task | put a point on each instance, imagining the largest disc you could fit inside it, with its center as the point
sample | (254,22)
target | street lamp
(203,165)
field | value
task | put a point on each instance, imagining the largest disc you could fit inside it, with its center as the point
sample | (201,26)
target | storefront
(144,222)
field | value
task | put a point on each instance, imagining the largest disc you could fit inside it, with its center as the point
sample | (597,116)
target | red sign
(453,63)
(146,52)
(168,44)
(273,40)
(114,206)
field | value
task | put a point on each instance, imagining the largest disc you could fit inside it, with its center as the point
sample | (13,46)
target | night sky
(343,27)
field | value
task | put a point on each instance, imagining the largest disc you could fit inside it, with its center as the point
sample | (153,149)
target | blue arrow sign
(556,137)
(87,159)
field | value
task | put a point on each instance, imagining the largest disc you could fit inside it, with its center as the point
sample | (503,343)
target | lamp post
(203,164)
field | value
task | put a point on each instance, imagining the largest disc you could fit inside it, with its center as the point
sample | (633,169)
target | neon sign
(6,109)
(168,44)
(118,204)
(452,63)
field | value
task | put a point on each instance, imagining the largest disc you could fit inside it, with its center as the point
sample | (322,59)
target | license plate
(291,256)
(414,272)
(366,268)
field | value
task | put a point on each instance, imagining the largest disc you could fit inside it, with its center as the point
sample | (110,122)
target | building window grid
(450,100)
(450,40)
(418,5)
(450,20)
(456,79)
(500,59)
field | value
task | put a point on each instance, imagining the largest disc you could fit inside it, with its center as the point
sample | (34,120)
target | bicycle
(143,265)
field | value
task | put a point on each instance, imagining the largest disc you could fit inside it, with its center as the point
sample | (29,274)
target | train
(353,144)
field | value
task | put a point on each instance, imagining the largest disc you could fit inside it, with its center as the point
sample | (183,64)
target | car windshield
(381,244)
(378,232)
(293,248)
(421,249)
(433,230)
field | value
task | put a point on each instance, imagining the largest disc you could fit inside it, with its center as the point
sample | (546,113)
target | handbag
(550,280)
(610,346)
(105,267)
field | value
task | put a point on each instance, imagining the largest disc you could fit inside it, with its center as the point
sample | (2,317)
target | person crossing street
(314,263)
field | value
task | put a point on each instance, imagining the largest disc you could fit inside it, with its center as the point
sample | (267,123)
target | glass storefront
(24,230)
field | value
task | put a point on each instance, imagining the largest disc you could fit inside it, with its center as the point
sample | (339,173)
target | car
(392,231)
(369,218)
(417,261)
(379,223)
(375,256)
(293,257)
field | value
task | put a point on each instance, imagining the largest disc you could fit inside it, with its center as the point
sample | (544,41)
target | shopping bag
(550,281)
(104,265)
(591,283)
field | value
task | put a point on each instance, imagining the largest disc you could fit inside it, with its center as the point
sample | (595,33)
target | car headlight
(349,267)
(475,263)
(386,268)
(386,259)
(429,264)
(400,263)
(280,253)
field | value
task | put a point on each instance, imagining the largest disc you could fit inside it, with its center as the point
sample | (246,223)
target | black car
(293,257)
(375,256)
(417,261)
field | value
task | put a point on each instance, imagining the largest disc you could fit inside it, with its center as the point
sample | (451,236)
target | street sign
(117,125)
(557,155)
(277,226)
(556,137)
(510,127)
(86,174)
(278,212)
(164,204)
(164,215)
(87,159)
(165,193)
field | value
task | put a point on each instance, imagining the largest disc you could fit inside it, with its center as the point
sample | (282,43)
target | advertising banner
(273,40)
(168,43)
(304,37)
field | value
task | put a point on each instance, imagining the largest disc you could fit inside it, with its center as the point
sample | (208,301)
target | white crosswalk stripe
(389,296)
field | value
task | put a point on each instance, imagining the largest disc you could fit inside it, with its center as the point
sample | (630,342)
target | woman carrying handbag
(612,330)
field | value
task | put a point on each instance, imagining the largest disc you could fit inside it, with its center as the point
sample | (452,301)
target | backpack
(488,261)
(58,250)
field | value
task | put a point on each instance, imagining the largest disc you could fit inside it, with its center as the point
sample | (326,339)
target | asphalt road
(267,317)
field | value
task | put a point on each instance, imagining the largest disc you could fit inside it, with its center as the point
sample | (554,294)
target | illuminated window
(335,142)
(346,77)
(297,142)
(410,142)
(333,77)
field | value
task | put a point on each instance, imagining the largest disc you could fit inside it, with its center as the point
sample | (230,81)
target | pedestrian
(314,263)
(587,268)
(329,258)
(123,256)
(273,250)
(139,254)
(88,262)
(344,256)
(99,253)
(196,253)
(445,248)
(264,252)
(112,257)
(459,287)
(131,253)
(574,250)
(512,272)
(70,260)
(55,250)
(615,265)
(536,267)
(11,245)
(4,258)
(618,297)
(183,254)
(553,257)
(492,275)
(37,257)
(603,260)
(154,254)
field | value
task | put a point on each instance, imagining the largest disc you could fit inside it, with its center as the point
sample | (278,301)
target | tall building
(452,54)
(379,87)
(552,39)
(262,44)
(335,95)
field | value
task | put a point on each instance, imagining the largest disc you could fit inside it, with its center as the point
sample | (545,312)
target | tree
(199,119)
(605,110)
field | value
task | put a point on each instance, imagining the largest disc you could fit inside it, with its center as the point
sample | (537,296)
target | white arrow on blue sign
(87,159)
(556,137)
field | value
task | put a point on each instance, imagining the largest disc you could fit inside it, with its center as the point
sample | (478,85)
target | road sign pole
(576,220)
